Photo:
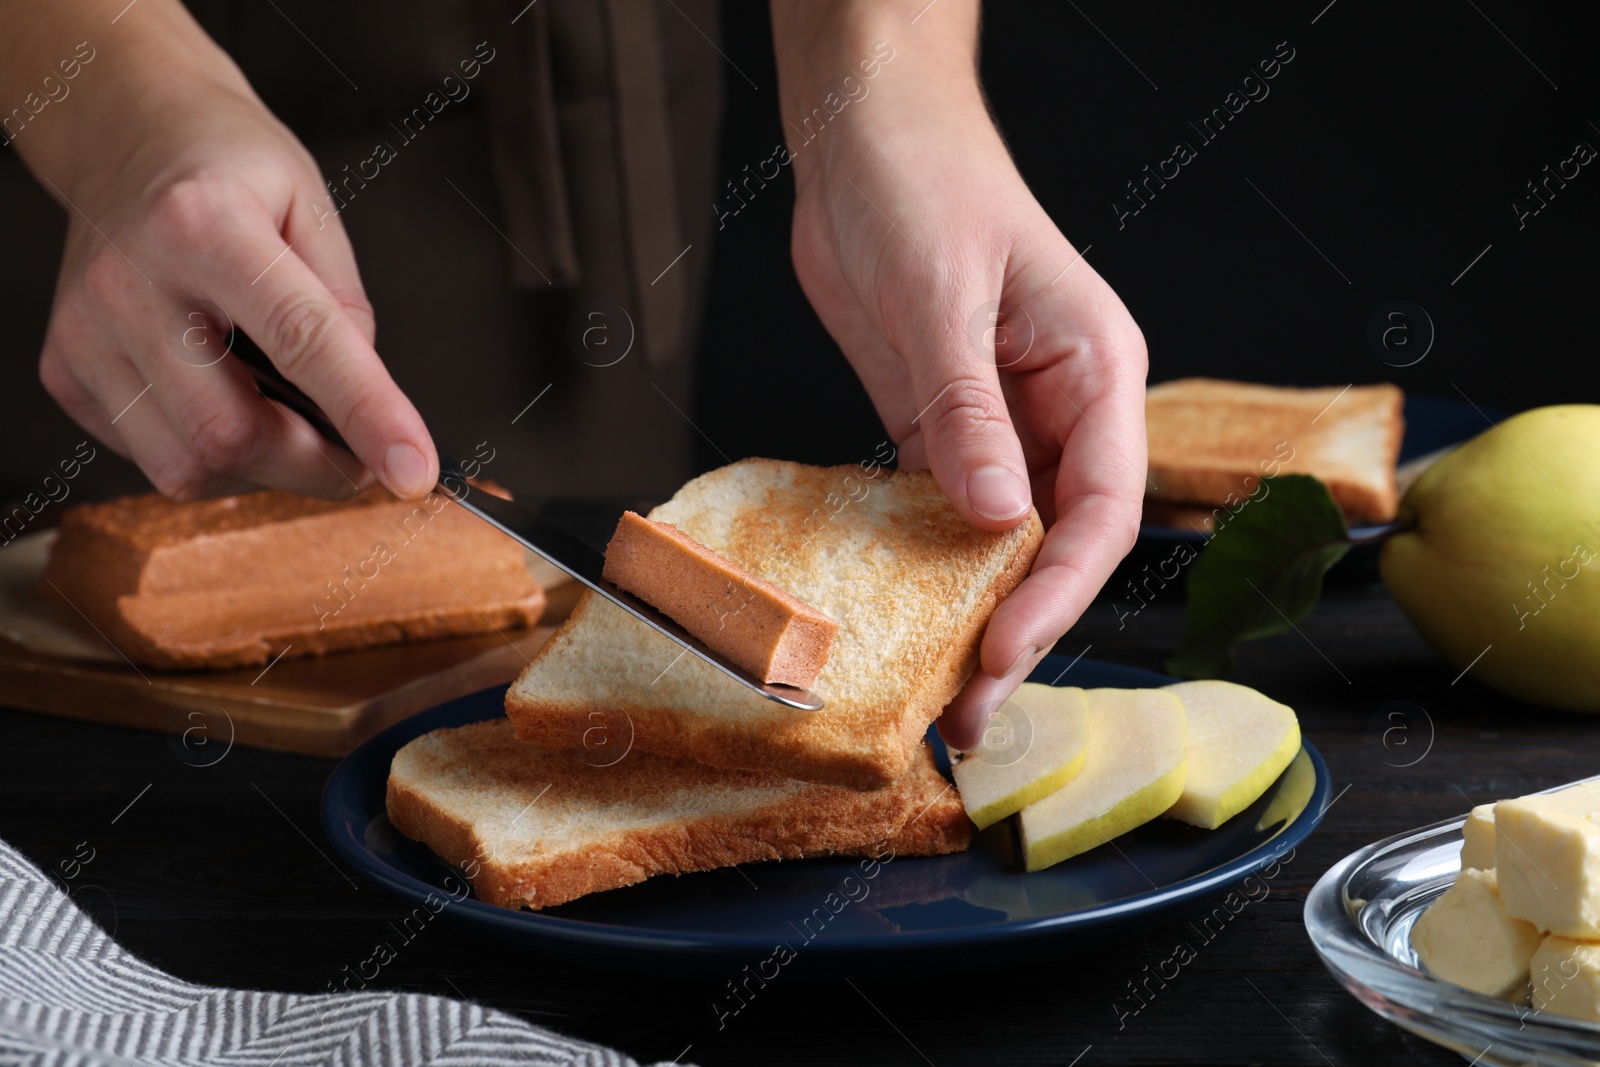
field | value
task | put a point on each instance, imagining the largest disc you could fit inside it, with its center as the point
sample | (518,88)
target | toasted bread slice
(239,580)
(911,584)
(1211,441)
(534,828)
(1199,518)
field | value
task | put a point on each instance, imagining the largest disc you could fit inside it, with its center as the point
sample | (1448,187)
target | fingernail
(996,493)
(984,717)
(405,469)
(1024,661)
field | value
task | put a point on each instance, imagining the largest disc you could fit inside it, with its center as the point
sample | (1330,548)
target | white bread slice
(1210,442)
(910,582)
(534,828)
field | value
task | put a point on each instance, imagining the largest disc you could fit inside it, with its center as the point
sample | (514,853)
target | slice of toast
(1211,441)
(534,828)
(239,580)
(911,584)
(1198,518)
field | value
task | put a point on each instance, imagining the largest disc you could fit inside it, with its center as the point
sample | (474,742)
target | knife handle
(275,386)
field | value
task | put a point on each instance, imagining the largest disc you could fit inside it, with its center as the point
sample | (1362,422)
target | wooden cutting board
(319,706)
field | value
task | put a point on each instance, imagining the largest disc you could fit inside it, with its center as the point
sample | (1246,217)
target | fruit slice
(1133,772)
(1293,792)
(1239,742)
(1034,745)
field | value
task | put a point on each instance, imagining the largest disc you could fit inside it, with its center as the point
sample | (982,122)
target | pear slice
(1239,742)
(1134,771)
(1034,745)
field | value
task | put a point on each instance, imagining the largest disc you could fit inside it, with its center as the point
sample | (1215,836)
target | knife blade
(522,522)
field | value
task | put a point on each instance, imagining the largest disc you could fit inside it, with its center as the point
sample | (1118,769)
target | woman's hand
(992,352)
(192,209)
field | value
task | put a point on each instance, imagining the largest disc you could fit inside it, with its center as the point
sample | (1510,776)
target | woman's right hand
(193,209)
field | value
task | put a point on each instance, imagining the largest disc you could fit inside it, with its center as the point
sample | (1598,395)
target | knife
(523,523)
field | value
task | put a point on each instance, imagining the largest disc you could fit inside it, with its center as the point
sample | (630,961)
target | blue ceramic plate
(910,905)
(1432,423)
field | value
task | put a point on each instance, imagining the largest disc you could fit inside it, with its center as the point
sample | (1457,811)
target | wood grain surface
(319,705)
(220,874)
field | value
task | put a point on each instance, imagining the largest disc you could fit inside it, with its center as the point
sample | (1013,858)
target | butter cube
(1566,978)
(1467,939)
(1547,857)
(1477,838)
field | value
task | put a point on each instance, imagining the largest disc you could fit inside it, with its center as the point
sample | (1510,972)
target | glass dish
(1359,916)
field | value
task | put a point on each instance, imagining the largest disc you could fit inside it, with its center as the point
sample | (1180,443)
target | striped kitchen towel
(70,995)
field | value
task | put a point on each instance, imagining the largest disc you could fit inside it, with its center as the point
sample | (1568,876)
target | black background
(1396,141)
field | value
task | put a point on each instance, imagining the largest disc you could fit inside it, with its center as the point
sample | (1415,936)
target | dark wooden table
(220,875)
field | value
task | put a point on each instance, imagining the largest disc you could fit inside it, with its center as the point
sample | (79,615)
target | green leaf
(1260,573)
